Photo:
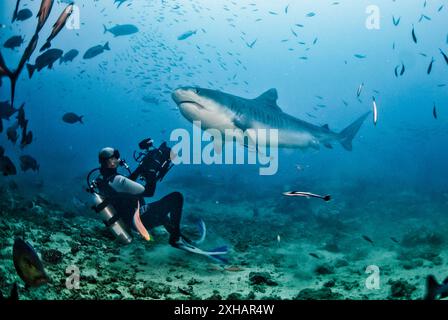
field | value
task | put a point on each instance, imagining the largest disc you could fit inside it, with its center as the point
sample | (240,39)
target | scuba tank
(107,212)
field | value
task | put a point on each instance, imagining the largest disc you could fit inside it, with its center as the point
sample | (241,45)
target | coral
(401,289)
(324,269)
(259,278)
(52,256)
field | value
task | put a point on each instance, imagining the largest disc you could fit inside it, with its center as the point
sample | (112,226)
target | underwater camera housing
(152,161)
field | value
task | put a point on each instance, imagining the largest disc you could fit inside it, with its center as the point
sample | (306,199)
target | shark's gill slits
(195,103)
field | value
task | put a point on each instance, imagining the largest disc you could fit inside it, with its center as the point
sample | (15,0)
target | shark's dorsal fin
(269,99)
(326,127)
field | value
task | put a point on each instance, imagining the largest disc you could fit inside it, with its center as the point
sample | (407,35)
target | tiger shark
(222,111)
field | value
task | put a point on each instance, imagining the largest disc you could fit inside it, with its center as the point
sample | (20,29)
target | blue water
(405,151)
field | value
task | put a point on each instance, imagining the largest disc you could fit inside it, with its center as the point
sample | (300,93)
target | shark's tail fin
(347,135)
(431,288)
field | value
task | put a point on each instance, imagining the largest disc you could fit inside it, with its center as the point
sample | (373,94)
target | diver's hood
(107,153)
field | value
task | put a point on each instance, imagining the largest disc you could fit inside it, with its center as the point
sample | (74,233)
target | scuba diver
(120,199)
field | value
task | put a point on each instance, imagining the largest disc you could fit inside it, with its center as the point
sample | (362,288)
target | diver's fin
(222,249)
(202,230)
(215,253)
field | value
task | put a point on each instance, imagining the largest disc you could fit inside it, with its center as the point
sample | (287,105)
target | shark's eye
(196,90)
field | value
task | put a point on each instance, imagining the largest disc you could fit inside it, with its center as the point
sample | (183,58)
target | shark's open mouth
(192,102)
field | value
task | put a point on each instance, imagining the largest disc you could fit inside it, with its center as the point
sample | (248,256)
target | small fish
(311,14)
(402,69)
(361,86)
(11,133)
(234,269)
(306,194)
(186,35)
(21,117)
(396,22)
(252,43)
(430,66)
(414,37)
(120,2)
(360,56)
(394,240)
(367,239)
(314,255)
(444,56)
(6,110)
(27,138)
(434,290)
(28,264)
(434,111)
(121,30)
(375,112)
(13,42)
(214,267)
(278,238)
(424,16)
(69,56)
(96,50)
(7,167)
(24,14)
(46,59)
(57,27)
(28,163)
(71,118)
(396,71)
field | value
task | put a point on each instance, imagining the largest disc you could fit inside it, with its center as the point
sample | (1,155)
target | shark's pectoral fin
(241,123)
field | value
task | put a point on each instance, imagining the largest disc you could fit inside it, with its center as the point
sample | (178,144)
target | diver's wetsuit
(123,194)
